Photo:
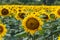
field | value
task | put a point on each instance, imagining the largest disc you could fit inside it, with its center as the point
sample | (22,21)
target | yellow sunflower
(21,9)
(58,37)
(20,16)
(57,12)
(49,8)
(5,11)
(36,8)
(13,9)
(32,23)
(42,10)
(3,30)
(34,13)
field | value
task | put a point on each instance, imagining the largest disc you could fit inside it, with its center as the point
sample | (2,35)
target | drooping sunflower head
(3,30)
(20,16)
(31,24)
(52,16)
(44,16)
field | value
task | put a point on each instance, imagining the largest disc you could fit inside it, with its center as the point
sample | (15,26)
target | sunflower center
(4,11)
(21,15)
(58,12)
(1,29)
(32,23)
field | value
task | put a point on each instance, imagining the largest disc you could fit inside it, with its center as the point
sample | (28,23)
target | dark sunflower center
(4,11)
(32,23)
(58,12)
(21,15)
(1,29)
(45,16)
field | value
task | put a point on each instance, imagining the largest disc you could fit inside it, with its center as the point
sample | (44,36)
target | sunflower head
(13,9)
(31,24)
(3,30)
(37,14)
(44,16)
(52,16)
(58,12)
(4,12)
(20,16)
(34,13)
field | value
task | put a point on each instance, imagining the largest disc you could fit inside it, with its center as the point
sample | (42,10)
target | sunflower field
(29,20)
(24,22)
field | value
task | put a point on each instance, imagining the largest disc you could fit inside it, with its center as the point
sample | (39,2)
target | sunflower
(5,11)
(3,30)
(52,16)
(20,16)
(44,16)
(21,9)
(13,9)
(37,8)
(57,12)
(42,10)
(58,37)
(49,9)
(32,23)
(34,13)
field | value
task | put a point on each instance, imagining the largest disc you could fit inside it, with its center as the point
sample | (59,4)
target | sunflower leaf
(22,34)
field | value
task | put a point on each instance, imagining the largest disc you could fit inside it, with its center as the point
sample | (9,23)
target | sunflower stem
(33,38)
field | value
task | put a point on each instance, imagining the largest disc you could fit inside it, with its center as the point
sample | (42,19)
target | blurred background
(31,2)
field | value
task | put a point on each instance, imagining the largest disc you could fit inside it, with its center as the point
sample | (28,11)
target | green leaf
(41,32)
(22,34)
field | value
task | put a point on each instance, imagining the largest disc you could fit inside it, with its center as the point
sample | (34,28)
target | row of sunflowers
(19,22)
